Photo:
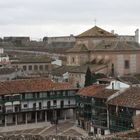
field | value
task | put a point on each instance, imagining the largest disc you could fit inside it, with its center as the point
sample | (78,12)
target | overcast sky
(39,18)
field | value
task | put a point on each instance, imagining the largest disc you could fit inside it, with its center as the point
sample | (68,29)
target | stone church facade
(121,54)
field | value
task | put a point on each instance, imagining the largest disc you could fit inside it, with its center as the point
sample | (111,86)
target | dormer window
(101,32)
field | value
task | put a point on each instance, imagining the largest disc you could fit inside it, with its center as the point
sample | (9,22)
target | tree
(97,76)
(88,77)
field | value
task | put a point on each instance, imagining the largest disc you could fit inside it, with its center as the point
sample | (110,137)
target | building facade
(18,41)
(4,58)
(99,46)
(67,39)
(93,113)
(36,100)
(124,110)
(33,67)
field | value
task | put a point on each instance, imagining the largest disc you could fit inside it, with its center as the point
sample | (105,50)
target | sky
(39,18)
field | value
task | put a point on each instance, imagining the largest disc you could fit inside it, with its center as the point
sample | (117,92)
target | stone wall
(38,137)
(136,121)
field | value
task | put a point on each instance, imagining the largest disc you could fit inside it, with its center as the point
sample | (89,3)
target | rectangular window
(30,67)
(102,131)
(46,67)
(35,67)
(73,60)
(95,130)
(24,68)
(25,105)
(29,96)
(54,102)
(34,105)
(126,64)
(41,67)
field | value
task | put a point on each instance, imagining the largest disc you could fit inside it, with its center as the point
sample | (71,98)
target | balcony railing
(97,105)
(40,108)
(99,117)
(2,101)
(36,98)
(117,128)
(121,117)
(120,122)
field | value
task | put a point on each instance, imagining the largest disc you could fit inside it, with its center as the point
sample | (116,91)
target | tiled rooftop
(98,91)
(34,59)
(31,85)
(117,46)
(78,48)
(129,79)
(96,32)
(108,46)
(77,69)
(129,98)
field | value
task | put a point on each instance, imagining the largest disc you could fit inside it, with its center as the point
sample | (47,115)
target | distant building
(8,73)
(130,38)
(99,46)
(67,39)
(33,65)
(92,110)
(17,40)
(76,74)
(4,58)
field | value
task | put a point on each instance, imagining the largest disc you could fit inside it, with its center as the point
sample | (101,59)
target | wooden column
(26,117)
(45,116)
(5,117)
(35,117)
(15,119)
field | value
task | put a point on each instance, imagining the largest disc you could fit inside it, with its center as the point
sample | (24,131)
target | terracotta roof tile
(96,32)
(117,46)
(98,91)
(78,48)
(77,69)
(31,85)
(129,98)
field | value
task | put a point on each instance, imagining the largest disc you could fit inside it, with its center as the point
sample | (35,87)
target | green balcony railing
(39,108)
(36,98)
(83,100)
(120,122)
(97,105)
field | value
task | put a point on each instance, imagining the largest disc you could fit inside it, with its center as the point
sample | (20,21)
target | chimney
(137,35)
(112,85)
(112,31)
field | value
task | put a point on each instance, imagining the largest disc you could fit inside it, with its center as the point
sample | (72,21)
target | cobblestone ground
(67,128)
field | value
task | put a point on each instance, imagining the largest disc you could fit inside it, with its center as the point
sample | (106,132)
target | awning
(16,102)
(16,94)
(7,95)
(8,104)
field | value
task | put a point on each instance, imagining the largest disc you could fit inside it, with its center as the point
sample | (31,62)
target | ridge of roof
(128,98)
(97,91)
(96,32)
(78,48)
